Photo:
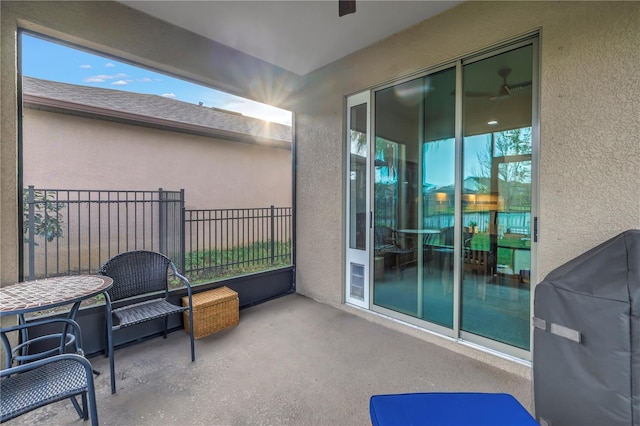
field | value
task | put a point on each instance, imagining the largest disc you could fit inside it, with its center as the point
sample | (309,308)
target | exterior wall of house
(589,184)
(116,29)
(589,105)
(63,151)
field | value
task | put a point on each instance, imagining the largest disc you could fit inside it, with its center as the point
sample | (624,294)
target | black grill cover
(586,341)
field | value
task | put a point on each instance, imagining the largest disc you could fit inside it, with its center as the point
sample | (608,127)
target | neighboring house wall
(589,124)
(63,151)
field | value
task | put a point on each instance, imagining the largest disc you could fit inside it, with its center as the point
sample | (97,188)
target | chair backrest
(136,272)
(446,236)
(382,235)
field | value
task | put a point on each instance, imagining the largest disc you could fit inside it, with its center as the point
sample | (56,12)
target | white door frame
(357,261)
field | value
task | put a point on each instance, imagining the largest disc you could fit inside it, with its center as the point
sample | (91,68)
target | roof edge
(78,109)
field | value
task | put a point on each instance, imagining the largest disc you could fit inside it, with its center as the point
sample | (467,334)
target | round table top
(30,296)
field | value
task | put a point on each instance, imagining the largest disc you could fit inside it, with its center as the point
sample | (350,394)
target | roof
(152,110)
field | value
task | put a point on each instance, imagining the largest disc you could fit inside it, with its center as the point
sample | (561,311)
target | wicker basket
(213,311)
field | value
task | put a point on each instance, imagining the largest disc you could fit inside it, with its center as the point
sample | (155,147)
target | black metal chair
(25,387)
(139,273)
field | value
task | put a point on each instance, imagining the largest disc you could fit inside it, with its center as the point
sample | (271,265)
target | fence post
(162,224)
(183,254)
(32,232)
(273,234)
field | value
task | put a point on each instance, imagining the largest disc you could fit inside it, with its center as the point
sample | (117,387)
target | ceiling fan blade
(346,7)
(472,94)
(519,86)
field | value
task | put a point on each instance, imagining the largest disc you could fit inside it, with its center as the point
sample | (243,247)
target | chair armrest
(66,321)
(181,277)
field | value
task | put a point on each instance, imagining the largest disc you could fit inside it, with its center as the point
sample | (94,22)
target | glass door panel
(496,196)
(414,199)
(396,184)
(438,198)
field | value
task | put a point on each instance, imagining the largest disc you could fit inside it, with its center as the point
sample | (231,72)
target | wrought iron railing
(240,240)
(76,231)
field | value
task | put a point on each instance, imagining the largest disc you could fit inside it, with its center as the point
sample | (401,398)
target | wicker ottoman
(213,310)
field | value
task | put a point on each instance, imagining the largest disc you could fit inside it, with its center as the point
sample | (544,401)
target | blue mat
(449,409)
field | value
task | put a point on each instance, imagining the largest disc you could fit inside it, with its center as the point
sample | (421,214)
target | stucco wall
(65,151)
(589,108)
(116,29)
(589,124)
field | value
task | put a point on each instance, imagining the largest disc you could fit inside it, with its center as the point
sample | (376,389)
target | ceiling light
(492,122)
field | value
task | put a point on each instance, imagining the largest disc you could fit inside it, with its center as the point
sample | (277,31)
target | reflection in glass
(438,189)
(395,191)
(496,195)
(415,190)
(358,178)
(414,198)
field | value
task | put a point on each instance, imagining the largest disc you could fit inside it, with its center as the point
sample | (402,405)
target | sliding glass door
(451,163)
(497,194)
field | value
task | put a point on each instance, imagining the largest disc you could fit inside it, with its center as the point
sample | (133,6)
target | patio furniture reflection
(387,244)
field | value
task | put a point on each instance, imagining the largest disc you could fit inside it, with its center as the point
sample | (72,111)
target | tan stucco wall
(589,124)
(589,108)
(116,29)
(64,151)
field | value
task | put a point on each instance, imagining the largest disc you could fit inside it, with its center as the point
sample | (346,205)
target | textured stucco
(214,173)
(116,29)
(589,123)
(589,109)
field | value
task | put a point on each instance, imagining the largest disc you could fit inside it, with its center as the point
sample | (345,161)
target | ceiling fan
(505,89)
(346,7)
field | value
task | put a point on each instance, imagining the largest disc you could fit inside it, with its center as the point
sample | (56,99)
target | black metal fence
(241,240)
(76,231)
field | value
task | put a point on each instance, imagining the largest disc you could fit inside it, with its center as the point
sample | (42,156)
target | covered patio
(310,357)
(291,360)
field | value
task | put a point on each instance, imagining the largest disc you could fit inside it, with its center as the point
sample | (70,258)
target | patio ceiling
(299,36)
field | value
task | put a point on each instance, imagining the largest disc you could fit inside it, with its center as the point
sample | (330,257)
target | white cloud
(169,95)
(145,80)
(94,79)
(86,66)
(120,83)
(101,78)
(109,65)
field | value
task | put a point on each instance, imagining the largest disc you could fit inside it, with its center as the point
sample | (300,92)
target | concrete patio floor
(290,361)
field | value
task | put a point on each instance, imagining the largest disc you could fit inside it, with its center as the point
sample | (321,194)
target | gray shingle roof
(155,107)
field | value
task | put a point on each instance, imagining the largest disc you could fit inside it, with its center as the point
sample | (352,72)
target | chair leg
(92,409)
(193,350)
(166,325)
(112,368)
(85,408)
(109,333)
(80,409)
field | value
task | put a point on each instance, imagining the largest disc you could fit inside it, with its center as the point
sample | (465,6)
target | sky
(51,61)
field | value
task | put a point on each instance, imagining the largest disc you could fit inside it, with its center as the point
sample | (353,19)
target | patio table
(31,296)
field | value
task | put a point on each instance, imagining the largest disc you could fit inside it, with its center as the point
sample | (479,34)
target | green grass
(214,265)
(505,252)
